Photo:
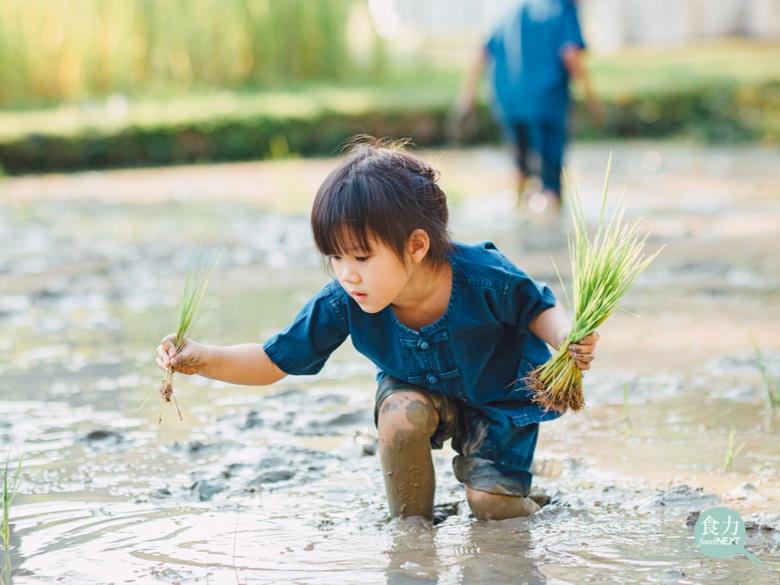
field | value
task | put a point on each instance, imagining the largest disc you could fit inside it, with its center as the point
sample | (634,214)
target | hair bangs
(339,219)
(379,194)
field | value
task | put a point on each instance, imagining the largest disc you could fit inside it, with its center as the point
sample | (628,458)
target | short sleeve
(571,34)
(305,345)
(524,299)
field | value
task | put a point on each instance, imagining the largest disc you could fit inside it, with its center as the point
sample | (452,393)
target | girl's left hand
(583,351)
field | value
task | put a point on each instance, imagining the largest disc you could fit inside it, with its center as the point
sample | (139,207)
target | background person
(534,51)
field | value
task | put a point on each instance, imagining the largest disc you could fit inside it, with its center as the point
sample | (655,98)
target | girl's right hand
(190,359)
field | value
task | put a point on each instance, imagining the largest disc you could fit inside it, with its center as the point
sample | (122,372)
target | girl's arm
(552,325)
(237,364)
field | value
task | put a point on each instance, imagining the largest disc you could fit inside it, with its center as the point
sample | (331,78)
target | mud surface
(282,484)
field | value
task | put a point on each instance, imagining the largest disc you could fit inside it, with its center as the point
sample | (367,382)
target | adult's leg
(552,148)
(522,158)
(406,422)
(536,199)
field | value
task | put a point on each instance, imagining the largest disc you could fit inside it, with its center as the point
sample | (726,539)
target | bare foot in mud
(413,522)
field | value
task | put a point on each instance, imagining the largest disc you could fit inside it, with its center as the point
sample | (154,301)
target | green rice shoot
(10,488)
(603,268)
(193,303)
(771,392)
(731,452)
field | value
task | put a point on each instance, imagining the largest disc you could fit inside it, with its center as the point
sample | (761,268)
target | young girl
(452,328)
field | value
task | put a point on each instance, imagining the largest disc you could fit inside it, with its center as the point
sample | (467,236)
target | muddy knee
(406,414)
(487,506)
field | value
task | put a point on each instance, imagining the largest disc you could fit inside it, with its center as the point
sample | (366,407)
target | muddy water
(282,484)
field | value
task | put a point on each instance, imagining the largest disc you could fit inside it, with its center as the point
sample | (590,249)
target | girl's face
(373,278)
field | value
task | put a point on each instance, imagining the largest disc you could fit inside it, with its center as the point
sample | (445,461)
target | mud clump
(103,435)
(205,489)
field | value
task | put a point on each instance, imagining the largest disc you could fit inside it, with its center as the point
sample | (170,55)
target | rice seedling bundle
(603,267)
(192,305)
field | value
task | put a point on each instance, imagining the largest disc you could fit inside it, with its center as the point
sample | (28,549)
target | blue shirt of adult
(478,352)
(529,80)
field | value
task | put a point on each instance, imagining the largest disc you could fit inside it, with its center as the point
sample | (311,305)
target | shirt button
(423,344)
(431,379)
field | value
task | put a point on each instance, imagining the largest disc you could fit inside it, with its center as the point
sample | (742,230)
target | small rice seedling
(603,268)
(11,482)
(714,422)
(628,427)
(192,305)
(731,453)
(772,394)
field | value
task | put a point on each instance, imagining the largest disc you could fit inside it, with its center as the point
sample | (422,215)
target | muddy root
(569,398)
(166,390)
(166,393)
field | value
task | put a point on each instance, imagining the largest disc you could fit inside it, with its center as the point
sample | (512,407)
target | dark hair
(380,190)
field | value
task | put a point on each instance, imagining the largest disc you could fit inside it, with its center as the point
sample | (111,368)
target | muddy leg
(487,506)
(406,422)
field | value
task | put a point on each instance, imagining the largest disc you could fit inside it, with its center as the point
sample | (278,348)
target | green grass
(663,70)
(300,101)
(729,92)
(10,488)
(603,267)
(405,88)
(82,49)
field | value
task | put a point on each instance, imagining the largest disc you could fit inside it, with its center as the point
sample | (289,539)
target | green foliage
(81,49)
(729,92)
(718,114)
(712,113)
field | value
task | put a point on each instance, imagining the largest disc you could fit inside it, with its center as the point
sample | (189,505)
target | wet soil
(282,484)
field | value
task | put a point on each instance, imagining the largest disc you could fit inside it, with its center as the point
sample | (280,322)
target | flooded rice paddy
(281,484)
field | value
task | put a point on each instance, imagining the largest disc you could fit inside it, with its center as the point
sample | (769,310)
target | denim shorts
(487,461)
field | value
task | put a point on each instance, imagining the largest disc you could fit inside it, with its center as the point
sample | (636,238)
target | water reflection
(465,553)
(412,557)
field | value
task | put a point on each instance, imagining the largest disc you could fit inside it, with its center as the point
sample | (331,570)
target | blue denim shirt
(478,352)
(529,79)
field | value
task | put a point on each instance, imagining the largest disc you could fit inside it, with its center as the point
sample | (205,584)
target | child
(452,328)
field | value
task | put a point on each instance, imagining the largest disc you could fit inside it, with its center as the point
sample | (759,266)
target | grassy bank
(724,92)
